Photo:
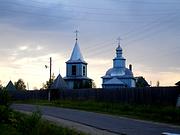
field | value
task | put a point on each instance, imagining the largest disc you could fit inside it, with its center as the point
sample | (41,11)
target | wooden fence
(151,95)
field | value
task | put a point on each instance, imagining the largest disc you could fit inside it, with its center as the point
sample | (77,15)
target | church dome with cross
(119,76)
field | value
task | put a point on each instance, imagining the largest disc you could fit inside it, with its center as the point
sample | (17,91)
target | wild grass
(16,123)
(22,124)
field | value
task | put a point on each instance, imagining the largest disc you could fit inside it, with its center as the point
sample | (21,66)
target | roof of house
(178,83)
(10,86)
(59,83)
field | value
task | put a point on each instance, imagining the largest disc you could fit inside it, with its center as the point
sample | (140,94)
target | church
(76,70)
(119,76)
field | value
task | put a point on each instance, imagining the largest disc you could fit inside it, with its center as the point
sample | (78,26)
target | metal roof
(76,54)
(59,83)
(114,81)
(10,86)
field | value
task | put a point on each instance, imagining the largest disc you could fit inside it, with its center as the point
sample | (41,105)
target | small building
(118,76)
(76,70)
(10,86)
(141,82)
(59,83)
(177,84)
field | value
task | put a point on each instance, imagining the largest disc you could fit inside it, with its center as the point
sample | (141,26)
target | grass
(16,123)
(20,124)
(7,129)
(166,114)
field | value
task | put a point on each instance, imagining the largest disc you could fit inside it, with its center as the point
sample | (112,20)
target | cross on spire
(76,34)
(119,41)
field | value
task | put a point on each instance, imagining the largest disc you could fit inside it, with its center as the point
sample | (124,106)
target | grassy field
(166,114)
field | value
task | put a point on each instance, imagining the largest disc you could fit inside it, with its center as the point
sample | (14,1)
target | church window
(84,70)
(73,69)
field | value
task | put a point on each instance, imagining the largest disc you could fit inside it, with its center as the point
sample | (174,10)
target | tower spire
(119,41)
(76,34)
(119,49)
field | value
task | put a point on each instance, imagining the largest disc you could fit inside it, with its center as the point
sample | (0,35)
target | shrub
(4,114)
(5,98)
(29,125)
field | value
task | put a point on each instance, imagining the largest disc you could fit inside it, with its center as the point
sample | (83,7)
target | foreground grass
(22,124)
(166,114)
(16,123)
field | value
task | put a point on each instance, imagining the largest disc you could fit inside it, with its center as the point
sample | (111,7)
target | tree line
(20,84)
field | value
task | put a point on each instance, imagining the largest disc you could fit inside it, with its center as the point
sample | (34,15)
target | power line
(147,28)
(120,1)
(56,16)
(71,18)
(92,13)
(144,36)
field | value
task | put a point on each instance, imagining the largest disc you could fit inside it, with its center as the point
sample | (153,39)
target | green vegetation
(15,123)
(48,83)
(21,124)
(20,85)
(167,114)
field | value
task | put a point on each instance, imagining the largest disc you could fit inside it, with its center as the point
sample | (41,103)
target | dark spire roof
(59,83)
(10,86)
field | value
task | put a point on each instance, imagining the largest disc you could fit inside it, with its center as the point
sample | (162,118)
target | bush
(29,125)
(5,102)
(5,99)
(4,114)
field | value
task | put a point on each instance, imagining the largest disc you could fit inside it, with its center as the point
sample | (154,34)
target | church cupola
(118,51)
(118,76)
(119,61)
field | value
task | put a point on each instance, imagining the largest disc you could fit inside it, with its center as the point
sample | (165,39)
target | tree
(93,84)
(20,85)
(158,84)
(48,83)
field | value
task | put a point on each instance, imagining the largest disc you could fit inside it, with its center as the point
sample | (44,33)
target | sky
(34,30)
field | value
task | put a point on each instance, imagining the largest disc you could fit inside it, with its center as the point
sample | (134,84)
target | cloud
(23,48)
(35,16)
(32,31)
(32,70)
(166,77)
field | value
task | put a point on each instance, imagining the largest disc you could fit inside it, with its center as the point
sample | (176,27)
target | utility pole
(49,91)
(50,62)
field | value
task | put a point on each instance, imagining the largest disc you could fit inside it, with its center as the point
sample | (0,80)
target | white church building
(118,76)
(76,70)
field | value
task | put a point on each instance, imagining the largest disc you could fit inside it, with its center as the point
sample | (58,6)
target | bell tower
(76,68)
